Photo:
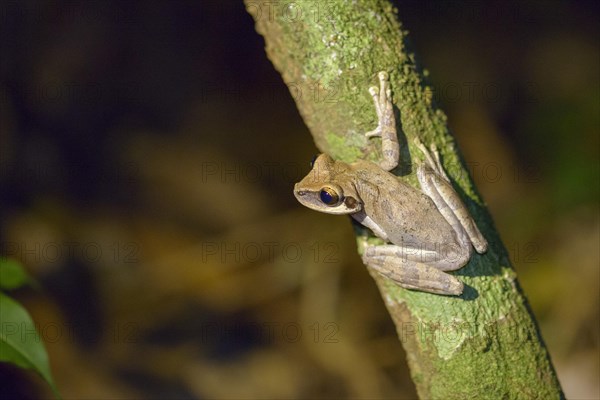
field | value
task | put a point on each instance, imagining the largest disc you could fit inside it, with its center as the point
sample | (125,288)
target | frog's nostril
(301,193)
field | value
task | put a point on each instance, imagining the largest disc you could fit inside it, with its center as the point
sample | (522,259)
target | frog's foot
(432,158)
(386,125)
(382,98)
(413,275)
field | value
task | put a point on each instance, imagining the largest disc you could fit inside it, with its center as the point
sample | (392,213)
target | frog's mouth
(313,200)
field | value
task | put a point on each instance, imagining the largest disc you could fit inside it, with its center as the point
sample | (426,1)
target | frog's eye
(312,162)
(329,196)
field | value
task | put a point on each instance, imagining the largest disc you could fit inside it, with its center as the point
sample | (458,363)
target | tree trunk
(483,344)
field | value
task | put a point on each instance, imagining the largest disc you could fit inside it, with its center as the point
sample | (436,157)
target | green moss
(344,147)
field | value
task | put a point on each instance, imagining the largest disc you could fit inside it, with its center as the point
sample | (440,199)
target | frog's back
(407,215)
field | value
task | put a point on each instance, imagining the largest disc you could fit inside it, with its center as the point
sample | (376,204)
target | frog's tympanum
(429,231)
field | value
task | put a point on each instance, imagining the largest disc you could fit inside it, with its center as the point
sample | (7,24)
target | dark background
(148,152)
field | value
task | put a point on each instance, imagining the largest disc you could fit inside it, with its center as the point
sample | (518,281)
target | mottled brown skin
(391,203)
(430,230)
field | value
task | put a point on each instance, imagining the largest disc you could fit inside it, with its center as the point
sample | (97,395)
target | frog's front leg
(386,126)
(436,184)
(412,274)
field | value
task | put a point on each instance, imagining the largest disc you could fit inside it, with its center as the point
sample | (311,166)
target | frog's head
(328,187)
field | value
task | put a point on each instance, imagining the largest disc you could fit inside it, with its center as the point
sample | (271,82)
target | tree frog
(429,231)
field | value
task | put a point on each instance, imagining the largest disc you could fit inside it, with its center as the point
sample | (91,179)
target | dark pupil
(327,197)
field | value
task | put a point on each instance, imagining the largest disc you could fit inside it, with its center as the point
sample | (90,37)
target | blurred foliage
(20,343)
(148,154)
(12,274)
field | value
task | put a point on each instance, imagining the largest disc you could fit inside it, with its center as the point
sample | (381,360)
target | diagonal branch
(485,343)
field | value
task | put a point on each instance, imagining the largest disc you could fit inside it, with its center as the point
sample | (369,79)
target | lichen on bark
(483,344)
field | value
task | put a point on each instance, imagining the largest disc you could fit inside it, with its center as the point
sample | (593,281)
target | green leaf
(20,343)
(12,274)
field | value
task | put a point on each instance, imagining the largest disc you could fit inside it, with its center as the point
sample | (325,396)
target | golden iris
(329,196)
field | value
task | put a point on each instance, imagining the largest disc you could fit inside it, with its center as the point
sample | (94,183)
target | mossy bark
(484,344)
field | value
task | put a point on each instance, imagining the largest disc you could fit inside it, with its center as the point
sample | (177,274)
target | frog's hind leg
(436,184)
(413,275)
